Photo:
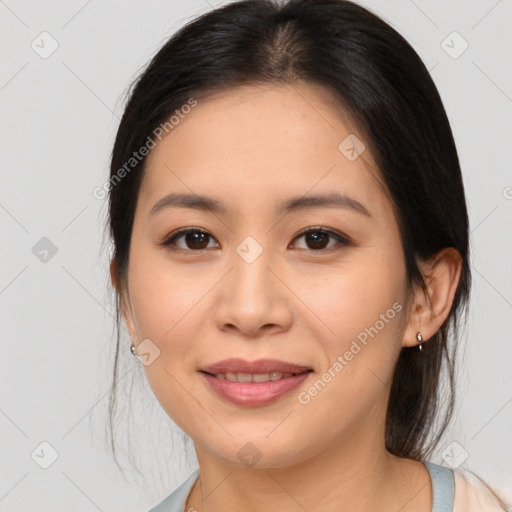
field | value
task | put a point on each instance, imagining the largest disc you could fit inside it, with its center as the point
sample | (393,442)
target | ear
(429,311)
(126,310)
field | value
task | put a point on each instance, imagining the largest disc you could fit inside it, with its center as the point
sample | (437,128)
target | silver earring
(133,350)
(419,338)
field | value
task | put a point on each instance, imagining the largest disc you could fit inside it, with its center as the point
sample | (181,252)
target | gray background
(59,115)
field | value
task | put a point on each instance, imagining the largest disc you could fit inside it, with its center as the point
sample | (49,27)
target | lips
(253,377)
(255,383)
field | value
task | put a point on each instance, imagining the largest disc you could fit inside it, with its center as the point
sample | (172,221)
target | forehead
(260,142)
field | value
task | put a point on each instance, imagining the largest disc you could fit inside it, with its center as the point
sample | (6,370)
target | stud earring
(133,350)
(419,338)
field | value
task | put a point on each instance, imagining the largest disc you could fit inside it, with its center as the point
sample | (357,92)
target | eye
(195,239)
(318,239)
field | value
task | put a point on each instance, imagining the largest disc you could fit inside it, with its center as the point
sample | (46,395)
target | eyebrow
(206,203)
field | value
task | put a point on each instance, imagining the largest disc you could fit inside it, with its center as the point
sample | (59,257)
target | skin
(252,148)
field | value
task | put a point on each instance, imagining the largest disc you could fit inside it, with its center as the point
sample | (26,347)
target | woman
(290,258)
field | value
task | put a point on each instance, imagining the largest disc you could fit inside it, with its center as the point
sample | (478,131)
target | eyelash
(342,240)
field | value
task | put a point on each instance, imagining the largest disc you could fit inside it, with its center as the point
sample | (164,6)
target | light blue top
(443,487)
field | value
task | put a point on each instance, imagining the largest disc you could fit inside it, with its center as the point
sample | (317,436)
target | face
(319,284)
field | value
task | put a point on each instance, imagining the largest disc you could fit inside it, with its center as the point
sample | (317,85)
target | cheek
(165,303)
(349,299)
(162,294)
(364,314)
(361,309)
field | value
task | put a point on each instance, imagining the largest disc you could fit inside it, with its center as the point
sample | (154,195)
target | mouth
(261,367)
(244,377)
(254,383)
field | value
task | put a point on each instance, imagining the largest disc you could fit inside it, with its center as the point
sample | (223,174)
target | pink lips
(254,393)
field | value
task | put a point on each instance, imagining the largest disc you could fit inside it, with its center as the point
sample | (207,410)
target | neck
(359,476)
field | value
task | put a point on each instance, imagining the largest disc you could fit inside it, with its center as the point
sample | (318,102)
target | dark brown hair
(381,83)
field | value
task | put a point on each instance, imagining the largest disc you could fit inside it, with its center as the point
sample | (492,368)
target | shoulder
(176,501)
(472,494)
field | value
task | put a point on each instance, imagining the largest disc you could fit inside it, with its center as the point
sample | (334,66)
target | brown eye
(318,239)
(194,239)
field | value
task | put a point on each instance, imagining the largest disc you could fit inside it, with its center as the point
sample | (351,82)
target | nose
(252,298)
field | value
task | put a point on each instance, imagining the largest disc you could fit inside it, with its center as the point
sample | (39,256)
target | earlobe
(430,310)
